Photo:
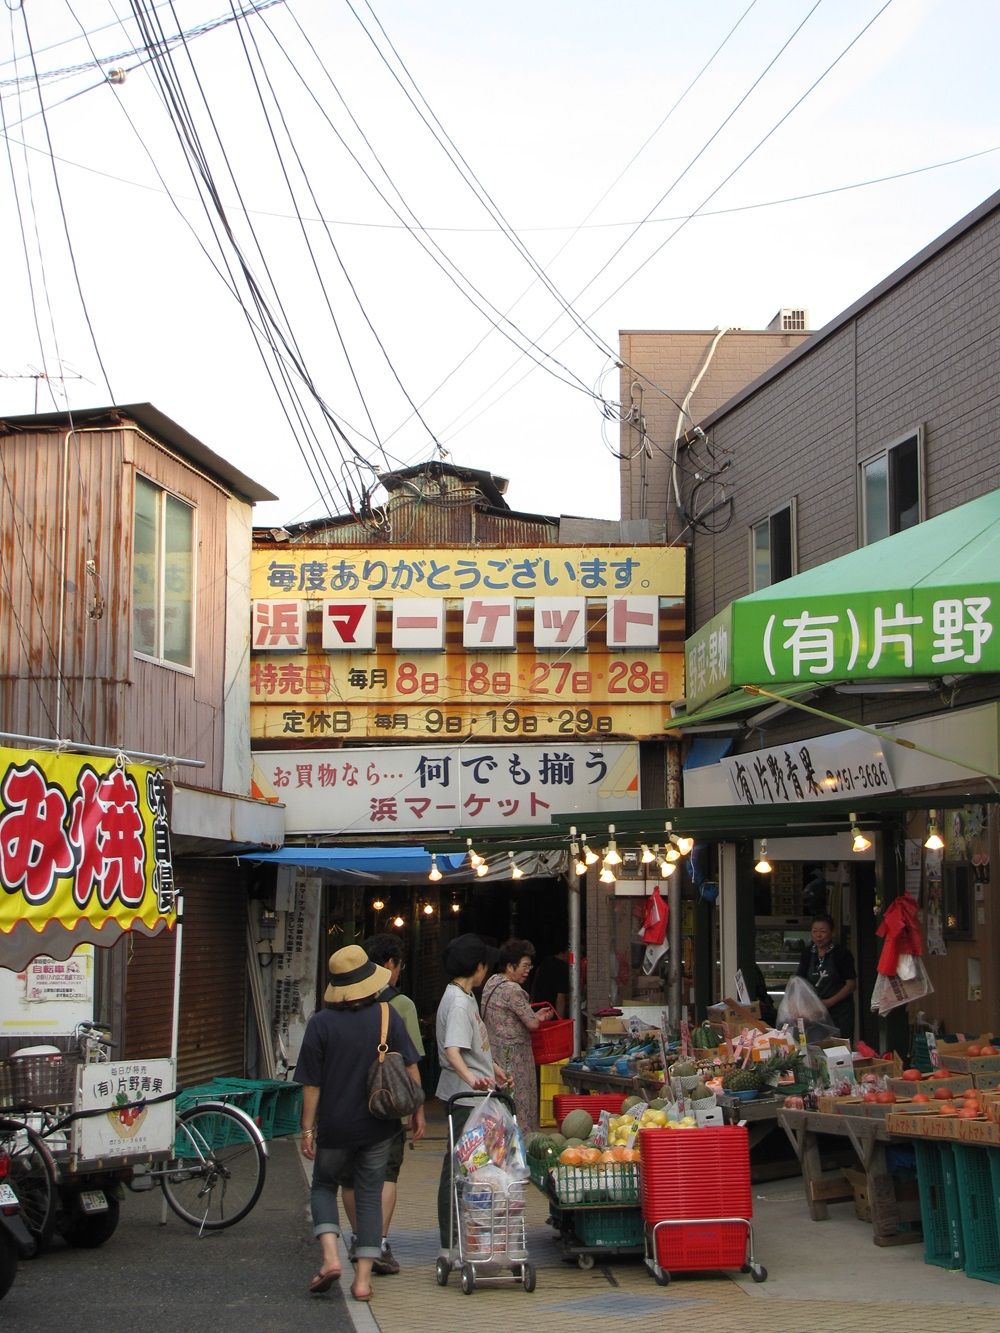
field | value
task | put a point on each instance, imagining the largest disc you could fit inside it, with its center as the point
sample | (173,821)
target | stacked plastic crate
(549,1085)
(697,1177)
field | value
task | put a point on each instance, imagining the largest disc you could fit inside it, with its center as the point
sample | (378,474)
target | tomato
(870,1095)
(969,1113)
(912,1075)
(988,1050)
(921,1097)
(885,1098)
(941,1073)
(948,1108)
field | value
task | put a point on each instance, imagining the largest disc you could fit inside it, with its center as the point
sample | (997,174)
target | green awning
(736,705)
(921,604)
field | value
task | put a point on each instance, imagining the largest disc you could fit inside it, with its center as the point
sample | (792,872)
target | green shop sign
(708,660)
(867,635)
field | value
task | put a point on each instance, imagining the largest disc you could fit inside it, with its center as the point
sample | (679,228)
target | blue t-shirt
(337,1051)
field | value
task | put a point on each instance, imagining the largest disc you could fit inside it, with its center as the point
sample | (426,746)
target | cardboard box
(611,1027)
(958,1083)
(891,1068)
(912,1125)
(969,1064)
(986,1081)
(835,1062)
(862,1203)
(730,1017)
(979,1131)
(872,1110)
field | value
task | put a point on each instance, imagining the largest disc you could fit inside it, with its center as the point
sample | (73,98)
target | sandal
(323,1282)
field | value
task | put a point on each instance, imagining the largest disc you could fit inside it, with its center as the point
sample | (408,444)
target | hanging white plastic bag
(892,992)
(906,967)
(491,1138)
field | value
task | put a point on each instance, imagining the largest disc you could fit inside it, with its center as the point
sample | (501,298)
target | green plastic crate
(980,1202)
(608,1226)
(940,1211)
(287,1107)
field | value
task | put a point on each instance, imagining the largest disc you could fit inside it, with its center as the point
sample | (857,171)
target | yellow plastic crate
(550,1076)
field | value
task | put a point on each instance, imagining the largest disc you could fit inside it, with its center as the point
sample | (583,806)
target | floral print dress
(506,1010)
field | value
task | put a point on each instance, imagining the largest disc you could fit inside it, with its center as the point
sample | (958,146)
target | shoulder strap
(383,1045)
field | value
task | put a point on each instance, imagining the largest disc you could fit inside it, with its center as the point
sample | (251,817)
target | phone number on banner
(401,721)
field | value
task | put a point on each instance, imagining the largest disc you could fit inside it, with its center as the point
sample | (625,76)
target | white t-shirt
(459,1024)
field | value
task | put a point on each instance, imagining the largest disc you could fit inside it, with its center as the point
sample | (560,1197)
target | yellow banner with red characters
(84,853)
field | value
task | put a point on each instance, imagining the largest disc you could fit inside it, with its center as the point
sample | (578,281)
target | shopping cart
(486,1219)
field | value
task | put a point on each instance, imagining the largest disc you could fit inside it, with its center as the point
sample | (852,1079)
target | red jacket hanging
(654,923)
(901,933)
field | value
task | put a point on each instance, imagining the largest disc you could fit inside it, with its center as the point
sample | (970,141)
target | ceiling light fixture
(428,909)
(515,870)
(763,866)
(378,905)
(607,875)
(398,922)
(482,868)
(475,860)
(589,855)
(434,873)
(647,857)
(612,856)
(860,843)
(933,842)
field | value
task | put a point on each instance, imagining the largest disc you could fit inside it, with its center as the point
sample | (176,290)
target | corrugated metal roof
(154,423)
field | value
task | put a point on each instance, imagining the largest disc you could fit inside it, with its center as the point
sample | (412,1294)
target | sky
(661,164)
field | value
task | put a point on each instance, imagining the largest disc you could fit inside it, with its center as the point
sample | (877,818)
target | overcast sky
(578,119)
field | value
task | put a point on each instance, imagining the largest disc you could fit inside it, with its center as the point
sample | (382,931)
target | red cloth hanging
(654,923)
(901,933)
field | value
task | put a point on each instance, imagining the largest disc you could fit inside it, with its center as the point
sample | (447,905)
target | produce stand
(868,1138)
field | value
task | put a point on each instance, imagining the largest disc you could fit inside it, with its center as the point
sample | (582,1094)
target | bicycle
(211,1179)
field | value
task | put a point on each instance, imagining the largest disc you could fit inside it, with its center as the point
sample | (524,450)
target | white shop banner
(385,790)
(809,772)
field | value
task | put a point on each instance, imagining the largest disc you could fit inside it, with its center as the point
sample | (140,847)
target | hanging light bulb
(607,875)
(589,855)
(455,906)
(434,873)
(482,868)
(515,870)
(933,842)
(579,864)
(428,909)
(612,857)
(378,905)
(860,843)
(667,868)
(647,857)
(671,854)
(475,860)
(684,845)
(763,866)
(398,922)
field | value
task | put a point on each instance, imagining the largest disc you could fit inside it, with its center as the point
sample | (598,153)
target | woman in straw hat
(338,1129)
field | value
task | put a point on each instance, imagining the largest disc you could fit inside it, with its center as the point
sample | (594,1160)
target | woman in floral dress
(510,1021)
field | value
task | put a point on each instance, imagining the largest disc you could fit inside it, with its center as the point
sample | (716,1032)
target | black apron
(825,979)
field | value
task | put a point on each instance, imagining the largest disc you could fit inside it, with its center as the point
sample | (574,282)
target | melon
(577,1125)
(558,1141)
(574,1143)
(629,1102)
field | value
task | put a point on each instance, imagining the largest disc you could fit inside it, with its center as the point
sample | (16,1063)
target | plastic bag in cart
(491,1138)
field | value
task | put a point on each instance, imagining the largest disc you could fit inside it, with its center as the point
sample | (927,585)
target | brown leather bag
(392,1094)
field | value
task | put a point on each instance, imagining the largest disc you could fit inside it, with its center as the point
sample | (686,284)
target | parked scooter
(16,1241)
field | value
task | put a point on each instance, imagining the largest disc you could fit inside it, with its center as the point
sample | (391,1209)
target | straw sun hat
(353,976)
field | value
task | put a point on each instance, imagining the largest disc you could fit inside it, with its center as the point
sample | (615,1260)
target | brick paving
(822,1275)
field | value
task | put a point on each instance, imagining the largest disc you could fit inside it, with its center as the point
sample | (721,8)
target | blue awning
(360,860)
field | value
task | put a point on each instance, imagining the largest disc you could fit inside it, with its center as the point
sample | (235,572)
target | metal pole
(674,934)
(573,915)
(111,751)
(175,1018)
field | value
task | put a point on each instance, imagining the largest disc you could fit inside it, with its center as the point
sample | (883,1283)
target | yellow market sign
(84,852)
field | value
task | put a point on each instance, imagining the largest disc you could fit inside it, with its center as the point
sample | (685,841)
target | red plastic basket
(695,1248)
(695,1173)
(594,1104)
(552,1040)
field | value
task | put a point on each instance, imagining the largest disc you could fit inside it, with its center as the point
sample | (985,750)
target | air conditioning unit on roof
(790,319)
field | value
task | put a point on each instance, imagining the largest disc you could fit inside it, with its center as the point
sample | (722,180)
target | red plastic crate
(694,1248)
(695,1173)
(564,1102)
(552,1040)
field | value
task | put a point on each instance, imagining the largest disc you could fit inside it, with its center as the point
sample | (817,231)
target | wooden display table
(868,1138)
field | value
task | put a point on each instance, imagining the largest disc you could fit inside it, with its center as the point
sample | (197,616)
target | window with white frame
(892,488)
(162,576)
(773,548)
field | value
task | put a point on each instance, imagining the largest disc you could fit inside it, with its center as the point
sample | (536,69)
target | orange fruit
(570,1157)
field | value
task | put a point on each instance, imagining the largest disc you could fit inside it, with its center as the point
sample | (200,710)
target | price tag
(742,994)
(932,1051)
(8,1199)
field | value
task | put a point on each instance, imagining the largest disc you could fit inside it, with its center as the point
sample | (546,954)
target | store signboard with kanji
(707,661)
(853,636)
(84,853)
(563,641)
(823,768)
(138,1110)
(386,790)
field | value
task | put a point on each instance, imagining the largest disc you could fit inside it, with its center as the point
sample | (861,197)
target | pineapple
(758,1076)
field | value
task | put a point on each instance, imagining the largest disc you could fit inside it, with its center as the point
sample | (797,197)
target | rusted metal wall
(107,697)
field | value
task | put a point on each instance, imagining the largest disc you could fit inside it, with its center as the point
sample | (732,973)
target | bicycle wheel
(218,1172)
(33,1177)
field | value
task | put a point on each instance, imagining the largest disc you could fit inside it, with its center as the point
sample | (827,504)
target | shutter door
(213,979)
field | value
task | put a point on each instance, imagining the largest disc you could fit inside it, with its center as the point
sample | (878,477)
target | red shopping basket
(552,1040)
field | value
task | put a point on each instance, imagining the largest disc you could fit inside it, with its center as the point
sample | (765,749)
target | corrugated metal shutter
(213,979)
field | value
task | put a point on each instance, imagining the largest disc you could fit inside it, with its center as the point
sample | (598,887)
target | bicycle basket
(43,1080)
